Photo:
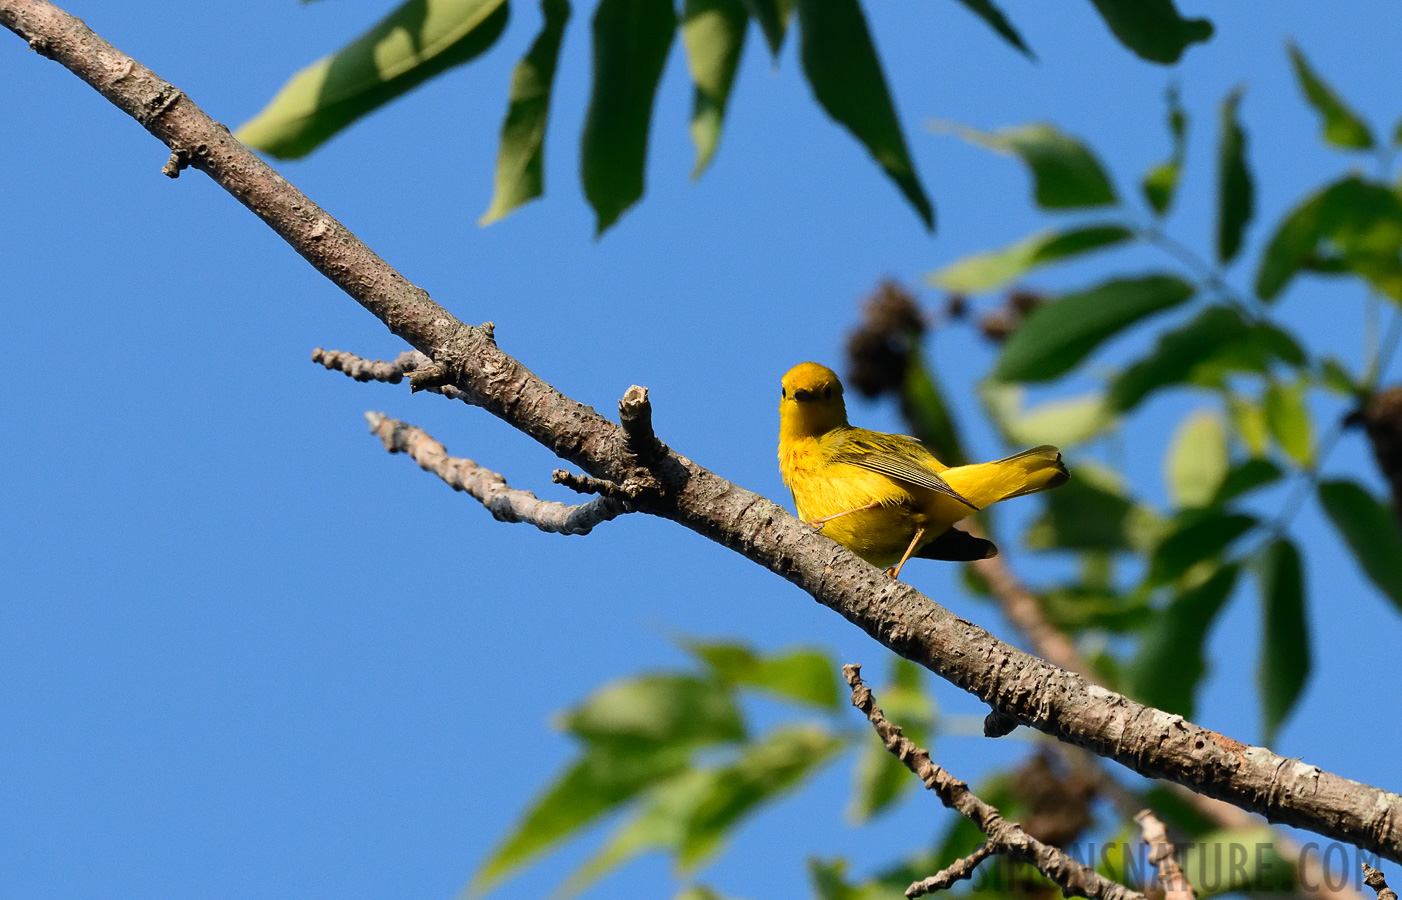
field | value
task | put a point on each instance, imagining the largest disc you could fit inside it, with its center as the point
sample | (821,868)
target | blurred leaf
(986,271)
(992,15)
(713,32)
(670,710)
(1351,225)
(880,778)
(924,407)
(1336,378)
(631,42)
(1289,420)
(418,40)
(1214,859)
(1064,423)
(1196,463)
(805,675)
(845,74)
(1248,476)
(598,782)
(699,892)
(1170,664)
(1196,537)
(1058,335)
(1153,29)
(1161,182)
(1234,188)
(1370,532)
(1285,643)
(1065,174)
(521,154)
(1250,421)
(1090,512)
(773,19)
(1342,126)
(1074,609)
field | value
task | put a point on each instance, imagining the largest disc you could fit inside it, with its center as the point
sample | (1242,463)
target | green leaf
(1285,642)
(1370,532)
(1077,608)
(1161,182)
(1091,512)
(599,781)
(631,42)
(699,892)
(805,675)
(1170,664)
(713,32)
(773,19)
(1350,225)
(1342,126)
(521,155)
(986,271)
(1289,420)
(995,19)
(1249,420)
(924,407)
(1153,29)
(1234,188)
(880,778)
(1336,378)
(1058,335)
(1064,423)
(845,74)
(1065,174)
(1197,537)
(1196,464)
(1214,861)
(1246,477)
(669,710)
(419,39)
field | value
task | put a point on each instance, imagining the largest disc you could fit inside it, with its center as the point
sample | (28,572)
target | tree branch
(1004,837)
(1031,690)
(1162,854)
(958,871)
(1374,879)
(505,503)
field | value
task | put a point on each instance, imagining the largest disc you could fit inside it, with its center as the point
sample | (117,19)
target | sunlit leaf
(1065,174)
(658,709)
(1160,183)
(986,271)
(1351,225)
(1210,857)
(1289,420)
(1285,643)
(419,39)
(1342,126)
(631,42)
(773,19)
(1234,188)
(713,32)
(1170,664)
(1370,532)
(600,781)
(521,154)
(1153,29)
(1091,512)
(880,778)
(1249,419)
(1196,463)
(1058,335)
(992,15)
(1246,477)
(845,74)
(1196,537)
(1064,423)
(805,675)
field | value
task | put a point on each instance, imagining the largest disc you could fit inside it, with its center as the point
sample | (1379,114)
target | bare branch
(635,415)
(1162,854)
(1074,879)
(392,372)
(1036,693)
(947,877)
(1374,879)
(505,503)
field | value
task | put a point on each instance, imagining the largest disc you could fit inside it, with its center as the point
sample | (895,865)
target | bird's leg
(819,523)
(895,571)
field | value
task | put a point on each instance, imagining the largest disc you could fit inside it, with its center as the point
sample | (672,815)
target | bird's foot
(817,524)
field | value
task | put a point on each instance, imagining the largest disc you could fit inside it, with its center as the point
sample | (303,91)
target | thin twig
(1007,838)
(389,371)
(1162,854)
(1374,879)
(956,872)
(504,502)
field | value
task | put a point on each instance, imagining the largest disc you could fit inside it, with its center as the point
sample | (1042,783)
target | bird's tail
(1028,472)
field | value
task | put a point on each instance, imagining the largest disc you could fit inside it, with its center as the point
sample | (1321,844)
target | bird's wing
(897,456)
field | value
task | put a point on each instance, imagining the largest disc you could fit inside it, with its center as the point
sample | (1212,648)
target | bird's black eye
(827,392)
(783,393)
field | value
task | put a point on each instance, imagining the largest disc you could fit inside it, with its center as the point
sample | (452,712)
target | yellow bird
(885,496)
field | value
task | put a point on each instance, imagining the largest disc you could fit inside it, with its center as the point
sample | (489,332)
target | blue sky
(246,653)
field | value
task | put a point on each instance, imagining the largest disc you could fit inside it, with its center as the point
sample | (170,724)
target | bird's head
(810,402)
